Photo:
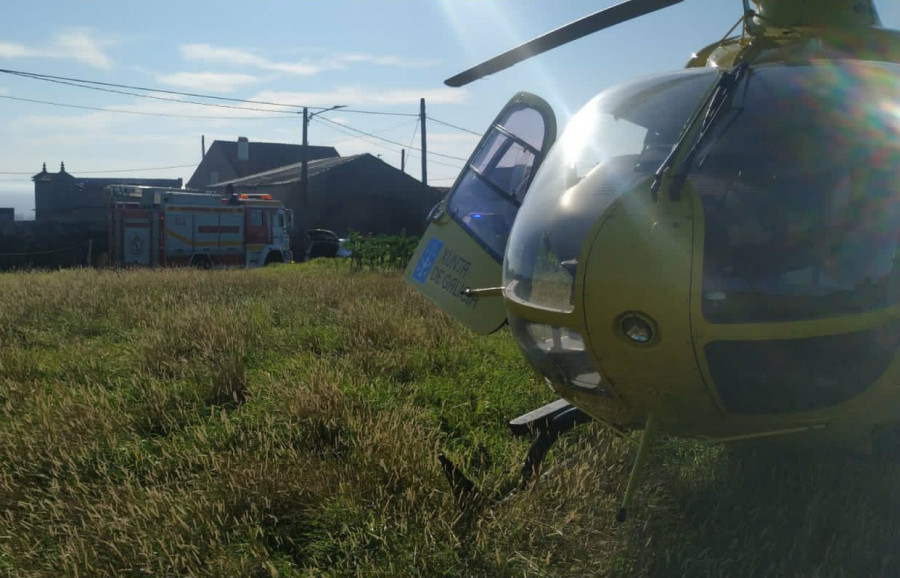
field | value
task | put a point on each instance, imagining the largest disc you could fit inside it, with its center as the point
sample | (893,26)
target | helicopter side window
(803,217)
(488,196)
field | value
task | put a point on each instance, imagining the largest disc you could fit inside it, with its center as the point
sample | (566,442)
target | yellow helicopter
(711,253)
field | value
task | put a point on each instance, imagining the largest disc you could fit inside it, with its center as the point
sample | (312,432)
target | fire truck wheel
(274,257)
(201,262)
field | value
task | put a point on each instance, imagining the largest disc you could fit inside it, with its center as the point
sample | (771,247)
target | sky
(374,58)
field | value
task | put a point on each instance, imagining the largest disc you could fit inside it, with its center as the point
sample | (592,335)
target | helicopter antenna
(611,16)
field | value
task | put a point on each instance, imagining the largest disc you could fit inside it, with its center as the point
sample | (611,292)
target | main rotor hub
(819,14)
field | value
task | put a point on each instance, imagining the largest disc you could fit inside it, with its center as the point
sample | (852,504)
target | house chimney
(243,152)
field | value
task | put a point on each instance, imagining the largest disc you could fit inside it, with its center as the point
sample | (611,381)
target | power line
(395,143)
(114,88)
(415,132)
(86,84)
(411,156)
(410,114)
(339,127)
(108,86)
(136,170)
(334,125)
(162,114)
(431,118)
(81,82)
(31,173)
(383,130)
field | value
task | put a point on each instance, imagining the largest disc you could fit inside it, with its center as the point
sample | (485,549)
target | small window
(256,219)
(802,212)
(494,184)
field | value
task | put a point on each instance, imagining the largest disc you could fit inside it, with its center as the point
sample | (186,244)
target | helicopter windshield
(801,195)
(614,143)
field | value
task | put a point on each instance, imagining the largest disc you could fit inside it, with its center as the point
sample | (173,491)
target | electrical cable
(411,156)
(410,114)
(431,118)
(375,132)
(388,140)
(112,88)
(150,96)
(81,83)
(415,132)
(170,115)
(136,170)
(108,171)
(340,128)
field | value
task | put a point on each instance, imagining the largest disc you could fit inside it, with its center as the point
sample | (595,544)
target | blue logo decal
(426,262)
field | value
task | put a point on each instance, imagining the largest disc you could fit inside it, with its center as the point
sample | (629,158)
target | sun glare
(505,34)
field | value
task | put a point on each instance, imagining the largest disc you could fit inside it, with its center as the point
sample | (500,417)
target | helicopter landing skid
(547,422)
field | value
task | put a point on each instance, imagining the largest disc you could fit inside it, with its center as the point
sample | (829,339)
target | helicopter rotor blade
(611,16)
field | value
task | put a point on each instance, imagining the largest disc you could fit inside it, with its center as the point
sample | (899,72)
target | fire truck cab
(157,227)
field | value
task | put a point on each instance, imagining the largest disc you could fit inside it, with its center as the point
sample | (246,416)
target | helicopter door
(466,238)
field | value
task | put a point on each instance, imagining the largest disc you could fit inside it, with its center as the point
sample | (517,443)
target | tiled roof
(170,183)
(264,156)
(291,173)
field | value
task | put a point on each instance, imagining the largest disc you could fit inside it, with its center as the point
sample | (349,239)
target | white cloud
(209,53)
(303,67)
(208,81)
(79,45)
(172,106)
(395,61)
(82,46)
(9,50)
(82,123)
(158,112)
(466,141)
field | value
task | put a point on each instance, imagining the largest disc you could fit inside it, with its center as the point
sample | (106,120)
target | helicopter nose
(635,304)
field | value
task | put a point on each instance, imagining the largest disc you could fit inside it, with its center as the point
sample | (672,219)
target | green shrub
(380,252)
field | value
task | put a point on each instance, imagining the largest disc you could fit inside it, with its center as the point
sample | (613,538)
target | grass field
(286,422)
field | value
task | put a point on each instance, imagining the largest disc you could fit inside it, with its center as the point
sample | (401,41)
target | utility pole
(304,162)
(402,160)
(424,151)
(304,155)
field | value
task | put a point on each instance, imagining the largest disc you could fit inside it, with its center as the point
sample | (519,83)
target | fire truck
(158,227)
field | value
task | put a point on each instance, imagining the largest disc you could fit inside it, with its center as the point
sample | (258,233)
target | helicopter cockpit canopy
(797,178)
(799,182)
(615,142)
